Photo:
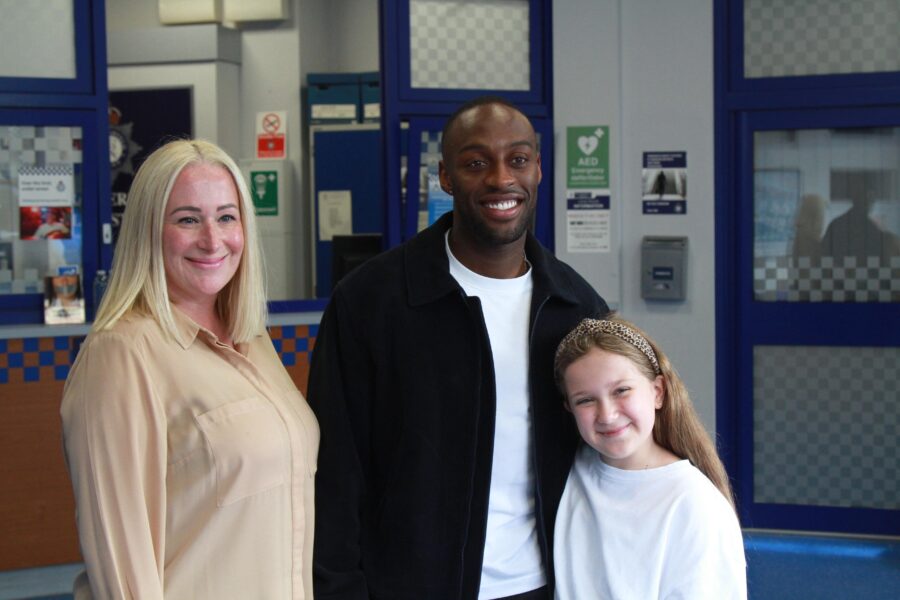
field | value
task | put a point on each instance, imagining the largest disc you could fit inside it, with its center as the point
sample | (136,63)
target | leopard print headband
(621,331)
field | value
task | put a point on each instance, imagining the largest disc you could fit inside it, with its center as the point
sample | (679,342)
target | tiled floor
(44,582)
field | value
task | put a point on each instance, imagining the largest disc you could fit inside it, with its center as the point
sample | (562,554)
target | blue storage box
(333,97)
(370,97)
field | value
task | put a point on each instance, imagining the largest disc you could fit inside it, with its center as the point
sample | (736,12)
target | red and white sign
(271,134)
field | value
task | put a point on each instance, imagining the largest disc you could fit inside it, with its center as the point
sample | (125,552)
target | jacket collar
(428,270)
(427,267)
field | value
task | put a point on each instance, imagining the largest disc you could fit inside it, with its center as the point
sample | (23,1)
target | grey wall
(129,14)
(646,70)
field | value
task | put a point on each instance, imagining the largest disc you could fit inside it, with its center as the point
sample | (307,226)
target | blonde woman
(647,511)
(191,452)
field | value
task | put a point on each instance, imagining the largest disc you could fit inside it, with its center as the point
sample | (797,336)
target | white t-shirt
(664,533)
(512,558)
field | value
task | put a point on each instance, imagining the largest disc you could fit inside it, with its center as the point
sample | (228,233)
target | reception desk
(37,511)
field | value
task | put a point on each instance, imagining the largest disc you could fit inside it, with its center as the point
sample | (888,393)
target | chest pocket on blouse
(249,447)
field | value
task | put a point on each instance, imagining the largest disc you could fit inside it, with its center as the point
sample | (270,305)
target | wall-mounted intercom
(663,267)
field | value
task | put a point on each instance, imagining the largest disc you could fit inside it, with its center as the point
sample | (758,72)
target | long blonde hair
(138,279)
(677,427)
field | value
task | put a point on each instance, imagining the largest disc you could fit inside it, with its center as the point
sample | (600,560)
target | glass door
(818,321)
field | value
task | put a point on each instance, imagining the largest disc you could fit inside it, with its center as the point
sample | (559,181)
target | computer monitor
(350,251)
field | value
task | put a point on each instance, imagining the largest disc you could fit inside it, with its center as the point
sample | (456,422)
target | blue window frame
(540,90)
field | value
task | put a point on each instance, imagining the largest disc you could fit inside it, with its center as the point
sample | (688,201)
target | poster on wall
(264,189)
(63,298)
(140,121)
(47,185)
(271,134)
(588,223)
(335,209)
(46,197)
(664,183)
(45,222)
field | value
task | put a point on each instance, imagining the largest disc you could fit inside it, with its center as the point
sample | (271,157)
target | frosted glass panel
(470,44)
(820,37)
(826,207)
(825,426)
(37,39)
(40,205)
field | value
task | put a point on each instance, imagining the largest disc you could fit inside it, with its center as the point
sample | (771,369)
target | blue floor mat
(793,567)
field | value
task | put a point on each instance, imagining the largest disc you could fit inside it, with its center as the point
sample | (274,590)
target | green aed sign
(264,189)
(587,157)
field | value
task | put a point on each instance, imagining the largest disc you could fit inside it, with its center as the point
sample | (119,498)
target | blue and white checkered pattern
(460,44)
(49,169)
(30,146)
(820,37)
(825,426)
(826,279)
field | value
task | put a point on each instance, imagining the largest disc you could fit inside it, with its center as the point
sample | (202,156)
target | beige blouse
(193,466)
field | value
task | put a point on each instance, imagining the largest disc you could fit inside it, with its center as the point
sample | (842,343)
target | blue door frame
(744,106)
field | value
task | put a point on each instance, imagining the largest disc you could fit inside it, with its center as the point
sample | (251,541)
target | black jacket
(402,383)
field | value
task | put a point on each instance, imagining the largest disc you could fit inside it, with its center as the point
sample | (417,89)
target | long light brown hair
(677,427)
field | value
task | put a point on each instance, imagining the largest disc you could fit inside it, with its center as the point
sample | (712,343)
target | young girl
(647,511)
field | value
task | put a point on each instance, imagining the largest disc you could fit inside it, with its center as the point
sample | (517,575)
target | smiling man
(444,448)
(491,166)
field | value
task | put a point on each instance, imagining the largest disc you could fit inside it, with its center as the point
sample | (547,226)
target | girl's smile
(614,406)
